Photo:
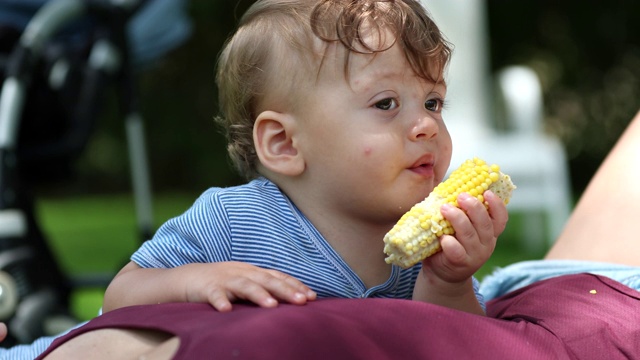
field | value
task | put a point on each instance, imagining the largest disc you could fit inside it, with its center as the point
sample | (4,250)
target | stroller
(55,70)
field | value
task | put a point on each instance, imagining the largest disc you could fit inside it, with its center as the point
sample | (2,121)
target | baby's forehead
(393,63)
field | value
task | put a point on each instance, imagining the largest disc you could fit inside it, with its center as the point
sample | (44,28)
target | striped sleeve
(479,296)
(199,235)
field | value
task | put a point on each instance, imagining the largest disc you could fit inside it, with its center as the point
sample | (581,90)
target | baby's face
(374,143)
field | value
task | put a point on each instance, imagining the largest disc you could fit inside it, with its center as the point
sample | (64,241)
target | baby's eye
(386,104)
(433,105)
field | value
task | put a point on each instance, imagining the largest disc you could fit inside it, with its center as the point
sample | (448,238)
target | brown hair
(272,53)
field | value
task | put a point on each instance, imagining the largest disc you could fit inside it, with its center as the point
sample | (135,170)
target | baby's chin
(421,193)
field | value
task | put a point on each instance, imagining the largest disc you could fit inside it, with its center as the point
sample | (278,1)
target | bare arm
(612,197)
(218,284)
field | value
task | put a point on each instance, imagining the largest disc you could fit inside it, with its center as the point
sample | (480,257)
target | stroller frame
(32,286)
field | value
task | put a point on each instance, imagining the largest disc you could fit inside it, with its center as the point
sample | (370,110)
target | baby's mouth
(423,169)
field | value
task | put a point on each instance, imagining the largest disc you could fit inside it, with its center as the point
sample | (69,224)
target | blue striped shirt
(257,224)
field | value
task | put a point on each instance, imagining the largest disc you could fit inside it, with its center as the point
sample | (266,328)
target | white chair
(536,161)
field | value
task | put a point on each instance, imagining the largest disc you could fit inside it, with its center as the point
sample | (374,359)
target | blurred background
(586,53)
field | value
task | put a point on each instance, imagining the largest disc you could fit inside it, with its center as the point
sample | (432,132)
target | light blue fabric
(521,274)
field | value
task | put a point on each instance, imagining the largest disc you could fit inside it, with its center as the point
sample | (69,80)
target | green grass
(94,236)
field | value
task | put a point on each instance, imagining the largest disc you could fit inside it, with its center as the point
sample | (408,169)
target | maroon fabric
(548,320)
(594,316)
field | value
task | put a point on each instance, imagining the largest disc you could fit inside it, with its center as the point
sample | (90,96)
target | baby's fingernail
(269,302)
(446,207)
(299,297)
(223,306)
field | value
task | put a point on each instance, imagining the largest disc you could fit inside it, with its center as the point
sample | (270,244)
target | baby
(333,112)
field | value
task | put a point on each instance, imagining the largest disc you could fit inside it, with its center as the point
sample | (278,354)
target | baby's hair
(274,53)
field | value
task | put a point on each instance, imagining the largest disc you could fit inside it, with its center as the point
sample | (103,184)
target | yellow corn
(415,236)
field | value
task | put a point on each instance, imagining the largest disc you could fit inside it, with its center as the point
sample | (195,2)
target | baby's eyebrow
(375,77)
(440,86)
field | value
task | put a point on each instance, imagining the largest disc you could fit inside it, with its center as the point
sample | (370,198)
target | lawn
(93,237)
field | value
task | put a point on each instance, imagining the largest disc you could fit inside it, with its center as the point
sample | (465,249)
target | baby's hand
(220,284)
(476,233)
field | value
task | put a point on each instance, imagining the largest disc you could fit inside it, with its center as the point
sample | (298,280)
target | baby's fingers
(497,211)
(288,288)
(264,288)
(480,227)
(240,289)
(453,251)
(219,299)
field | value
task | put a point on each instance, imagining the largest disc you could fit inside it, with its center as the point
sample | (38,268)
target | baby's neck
(357,239)
(359,244)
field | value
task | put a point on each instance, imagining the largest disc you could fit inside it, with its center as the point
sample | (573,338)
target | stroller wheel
(8,296)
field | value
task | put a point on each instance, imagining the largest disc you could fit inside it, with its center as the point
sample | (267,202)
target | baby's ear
(274,139)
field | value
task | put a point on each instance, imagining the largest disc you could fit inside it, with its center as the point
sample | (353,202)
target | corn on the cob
(415,236)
